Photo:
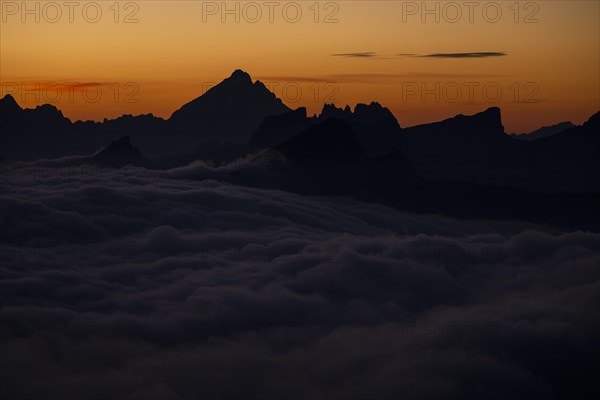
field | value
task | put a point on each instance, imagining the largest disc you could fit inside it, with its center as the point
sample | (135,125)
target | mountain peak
(331,111)
(375,126)
(239,74)
(119,153)
(373,105)
(49,109)
(329,106)
(373,112)
(8,98)
(489,114)
(8,103)
(124,141)
(594,121)
(493,115)
(489,120)
(362,112)
(228,112)
(493,112)
(121,145)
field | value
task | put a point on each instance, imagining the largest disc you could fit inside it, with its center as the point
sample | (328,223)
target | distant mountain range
(544,131)
(228,112)
(239,117)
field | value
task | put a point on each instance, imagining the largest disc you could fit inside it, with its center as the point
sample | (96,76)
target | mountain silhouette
(239,117)
(9,107)
(119,153)
(228,112)
(475,149)
(276,129)
(481,127)
(327,158)
(32,133)
(331,141)
(572,153)
(544,131)
(375,126)
(458,148)
(590,130)
(47,114)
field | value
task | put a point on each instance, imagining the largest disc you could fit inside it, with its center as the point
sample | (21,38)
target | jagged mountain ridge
(471,148)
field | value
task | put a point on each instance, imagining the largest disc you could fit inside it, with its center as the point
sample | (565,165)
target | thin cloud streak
(484,54)
(371,54)
(366,54)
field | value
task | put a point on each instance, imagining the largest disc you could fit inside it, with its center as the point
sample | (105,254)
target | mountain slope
(9,107)
(456,148)
(229,111)
(475,149)
(276,129)
(331,141)
(119,153)
(545,131)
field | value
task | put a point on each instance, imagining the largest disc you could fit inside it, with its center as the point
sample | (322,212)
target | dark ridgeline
(475,149)
(328,158)
(544,131)
(43,132)
(466,166)
(228,113)
(329,142)
(276,129)
(119,153)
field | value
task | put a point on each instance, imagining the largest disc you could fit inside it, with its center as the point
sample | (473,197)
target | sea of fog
(139,284)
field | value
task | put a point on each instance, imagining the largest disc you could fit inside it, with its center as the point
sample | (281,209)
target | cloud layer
(131,284)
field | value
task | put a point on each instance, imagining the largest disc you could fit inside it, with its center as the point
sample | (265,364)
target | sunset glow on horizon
(537,61)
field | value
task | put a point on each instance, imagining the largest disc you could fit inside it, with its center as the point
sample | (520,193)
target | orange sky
(154,56)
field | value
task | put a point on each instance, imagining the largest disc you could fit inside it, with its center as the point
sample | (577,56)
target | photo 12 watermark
(50,92)
(53,12)
(452,12)
(252,12)
(470,92)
